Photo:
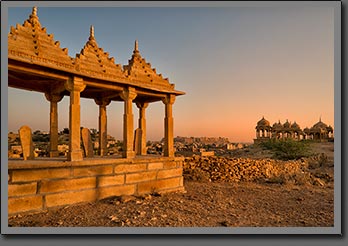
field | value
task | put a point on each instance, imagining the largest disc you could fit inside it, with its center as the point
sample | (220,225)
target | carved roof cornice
(31,43)
(93,61)
(140,71)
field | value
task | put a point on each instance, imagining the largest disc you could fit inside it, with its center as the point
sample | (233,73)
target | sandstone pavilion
(318,132)
(36,62)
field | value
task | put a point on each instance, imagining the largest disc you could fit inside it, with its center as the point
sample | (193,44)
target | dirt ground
(203,204)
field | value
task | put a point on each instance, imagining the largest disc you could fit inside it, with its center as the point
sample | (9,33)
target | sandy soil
(203,204)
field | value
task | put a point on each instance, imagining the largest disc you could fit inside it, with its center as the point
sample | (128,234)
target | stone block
(180,164)
(129,168)
(110,180)
(70,197)
(92,171)
(162,174)
(170,164)
(158,185)
(22,189)
(181,182)
(39,174)
(24,204)
(87,142)
(48,186)
(105,192)
(155,165)
(26,142)
(137,137)
(139,177)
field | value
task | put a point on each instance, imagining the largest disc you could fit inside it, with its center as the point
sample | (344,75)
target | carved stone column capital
(142,104)
(75,84)
(169,99)
(53,97)
(102,101)
(128,94)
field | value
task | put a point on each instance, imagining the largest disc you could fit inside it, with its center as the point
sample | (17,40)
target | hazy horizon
(236,65)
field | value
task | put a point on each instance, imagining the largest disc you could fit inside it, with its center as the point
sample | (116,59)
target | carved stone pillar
(168,126)
(54,99)
(128,95)
(74,85)
(142,126)
(103,139)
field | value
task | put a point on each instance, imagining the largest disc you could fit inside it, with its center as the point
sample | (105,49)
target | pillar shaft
(54,99)
(102,130)
(169,126)
(103,139)
(74,86)
(128,95)
(142,126)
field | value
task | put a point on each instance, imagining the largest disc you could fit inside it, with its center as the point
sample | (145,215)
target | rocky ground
(249,190)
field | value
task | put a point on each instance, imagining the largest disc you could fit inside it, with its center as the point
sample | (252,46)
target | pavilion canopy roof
(94,62)
(33,52)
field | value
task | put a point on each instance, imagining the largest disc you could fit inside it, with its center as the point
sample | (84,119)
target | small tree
(288,149)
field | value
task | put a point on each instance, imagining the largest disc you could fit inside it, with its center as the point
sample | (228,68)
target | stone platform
(43,183)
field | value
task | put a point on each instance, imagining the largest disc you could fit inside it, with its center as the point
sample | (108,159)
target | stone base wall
(37,185)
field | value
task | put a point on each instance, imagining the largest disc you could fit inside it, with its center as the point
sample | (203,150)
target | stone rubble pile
(223,169)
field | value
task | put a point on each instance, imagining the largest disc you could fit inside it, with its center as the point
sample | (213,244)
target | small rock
(224,223)
(114,218)
(126,198)
(157,194)
(117,202)
(318,182)
(147,197)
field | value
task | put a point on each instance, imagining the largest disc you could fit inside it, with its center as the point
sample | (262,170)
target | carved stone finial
(34,12)
(91,34)
(136,49)
(136,45)
(91,39)
(34,19)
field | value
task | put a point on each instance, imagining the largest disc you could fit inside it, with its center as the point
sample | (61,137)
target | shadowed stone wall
(37,185)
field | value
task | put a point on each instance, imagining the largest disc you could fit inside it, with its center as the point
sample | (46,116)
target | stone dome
(295,126)
(277,126)
(263,122)
(287,124)
(320,124)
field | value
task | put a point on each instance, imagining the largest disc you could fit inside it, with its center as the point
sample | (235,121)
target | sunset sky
(236,65)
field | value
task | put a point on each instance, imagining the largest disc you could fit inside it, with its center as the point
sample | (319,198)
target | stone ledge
(40,163)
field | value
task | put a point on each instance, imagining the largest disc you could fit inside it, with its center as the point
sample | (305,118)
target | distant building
(202,140)
(207,153)
(318,132)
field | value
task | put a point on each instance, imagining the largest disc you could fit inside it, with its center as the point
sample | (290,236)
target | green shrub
(268,145)
(287,149)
